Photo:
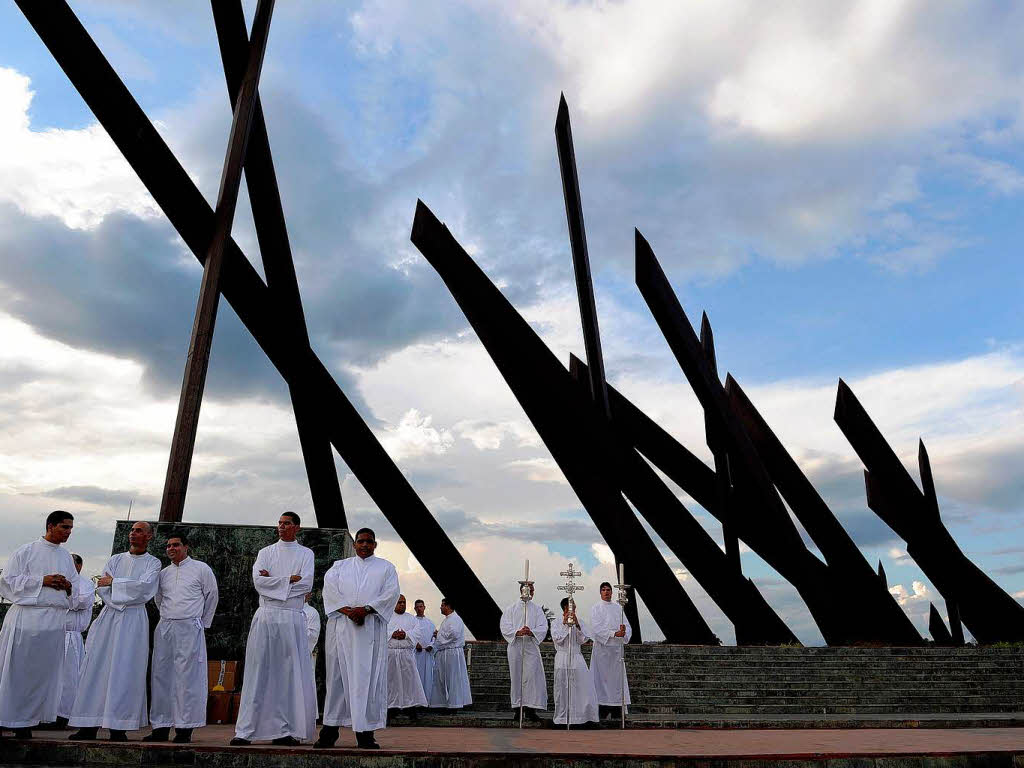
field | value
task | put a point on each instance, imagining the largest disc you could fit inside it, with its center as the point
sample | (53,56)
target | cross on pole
(571,587)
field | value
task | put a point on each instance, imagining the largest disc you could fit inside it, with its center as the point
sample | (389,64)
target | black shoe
(84,734)
(365,740)
(182,735)
(158,734)
(239,742)
(531,714)
(22,733)
(61,724)
(116,735)
(286,741)
(328,737)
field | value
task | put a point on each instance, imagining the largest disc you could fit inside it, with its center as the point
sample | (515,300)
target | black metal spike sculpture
(190,214)
(937,627)
(985,608)
(571,427)
(585,287)
(770,526)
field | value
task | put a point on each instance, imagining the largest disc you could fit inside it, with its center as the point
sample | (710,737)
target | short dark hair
(417,601)
(603,585)
(446,601)
(293,516)
(564,603)
(57,517)
(77,558)
(178,535)
(366,530)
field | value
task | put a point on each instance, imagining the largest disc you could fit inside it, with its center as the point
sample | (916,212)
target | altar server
(362,589)
(112,691)
(312,618)
(278,700)
(451,678)
(39,579)
(405,690)
(77,621)
(424,638)
(187,599)
(610,631)
(524,627)
(571,669)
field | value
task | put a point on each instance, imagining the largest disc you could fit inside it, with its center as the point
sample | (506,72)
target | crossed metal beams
(259,309)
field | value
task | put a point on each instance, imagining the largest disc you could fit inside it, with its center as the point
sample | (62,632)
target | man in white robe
(39,579)
(187,599)
(278,700)
(451,678)
(405,691)
(112,691)
(524,627)
(610,630)
(424,638)
(363,590)
(77,621)
(571,670)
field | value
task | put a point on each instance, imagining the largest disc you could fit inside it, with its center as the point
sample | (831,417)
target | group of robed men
(589,692)
(376,656)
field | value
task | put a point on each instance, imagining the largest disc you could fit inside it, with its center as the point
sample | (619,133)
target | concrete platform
(470,747)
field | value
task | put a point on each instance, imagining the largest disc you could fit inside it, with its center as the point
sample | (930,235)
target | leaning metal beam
(771,526)
(272,234)
(875,615)
(192,217)
(986,609)
(183,443)
(937,627)
(572,428)
(755,621)
(585,286)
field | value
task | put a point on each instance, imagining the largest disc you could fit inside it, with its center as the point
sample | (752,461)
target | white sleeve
(211,596)
(136,591)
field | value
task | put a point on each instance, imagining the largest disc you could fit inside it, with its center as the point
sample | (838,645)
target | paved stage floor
(1001,746)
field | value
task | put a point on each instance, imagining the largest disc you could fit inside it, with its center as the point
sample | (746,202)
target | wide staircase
(688,686)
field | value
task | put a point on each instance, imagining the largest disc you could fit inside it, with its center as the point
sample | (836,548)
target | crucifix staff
(525,594)
(571,587)
(622,600)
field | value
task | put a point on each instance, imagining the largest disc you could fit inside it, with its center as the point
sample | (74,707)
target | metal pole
(522,667)
(622,674)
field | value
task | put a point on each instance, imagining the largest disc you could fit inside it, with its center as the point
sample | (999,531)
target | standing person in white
(187,599)
(524,632)
(39,580)
(451,678)
(405,691)
(362,589)
(571,669)
(312,618)
(278,698)
(610,631)
(112,691)
(77,621)
(424,638)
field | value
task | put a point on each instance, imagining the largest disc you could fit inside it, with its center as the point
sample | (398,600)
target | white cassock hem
(179,674)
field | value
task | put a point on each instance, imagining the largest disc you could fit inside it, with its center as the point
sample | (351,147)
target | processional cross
(571,587)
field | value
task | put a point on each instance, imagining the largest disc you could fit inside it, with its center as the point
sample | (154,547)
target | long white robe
(528,678)
(361,651)
(606,667)
(33,635)
(312,618)
(572,667)
(451,678)
(336,707)
(112,691)
(187,599)
(278,696)
(424,658)
(77,621)
(404,687)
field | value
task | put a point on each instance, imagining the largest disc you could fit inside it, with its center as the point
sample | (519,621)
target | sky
(837,186)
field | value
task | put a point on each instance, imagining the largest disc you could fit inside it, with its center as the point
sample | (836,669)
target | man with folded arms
(451,678)
(39,580)
(112,691)
(187,599)
(405,691)
(278,697)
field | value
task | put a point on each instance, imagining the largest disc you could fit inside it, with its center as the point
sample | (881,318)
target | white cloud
(538,470)
(78,176)
(415,436)
(489,435)
(918,592)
